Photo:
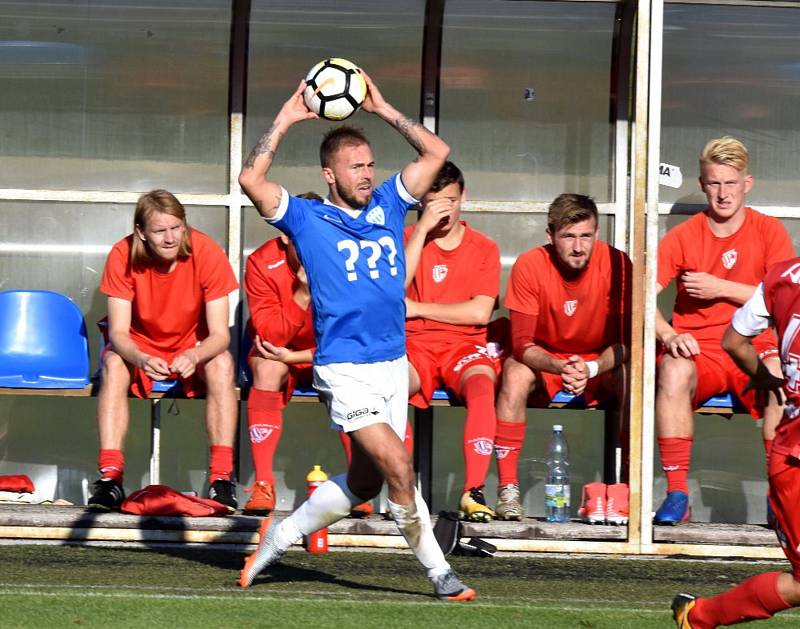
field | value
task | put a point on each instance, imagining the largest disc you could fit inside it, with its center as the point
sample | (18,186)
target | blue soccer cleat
(674,510)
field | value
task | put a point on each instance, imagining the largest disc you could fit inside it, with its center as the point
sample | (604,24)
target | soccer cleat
(473,506)
(682,604)
(508,506)
(265,555)
(617,507)
(674,510)
(108,495)
(593,504)
(448,587)
(262,499)
(362,510)
(224,492)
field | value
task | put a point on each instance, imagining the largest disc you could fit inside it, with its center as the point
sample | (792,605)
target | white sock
(329,503)
(414,522)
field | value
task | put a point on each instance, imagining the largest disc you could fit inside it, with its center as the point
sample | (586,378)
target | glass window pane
(287,37)
(732,70)
(525,93)
(114,96)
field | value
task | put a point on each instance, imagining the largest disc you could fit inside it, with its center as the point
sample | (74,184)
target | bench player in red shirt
(570,330)
(717,258)
(167,286)
(454,273)
(775,302)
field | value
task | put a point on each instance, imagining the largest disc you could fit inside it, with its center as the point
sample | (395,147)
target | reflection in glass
(525,93)
(114,96)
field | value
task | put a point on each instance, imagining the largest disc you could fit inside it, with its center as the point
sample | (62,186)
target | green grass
(74,586)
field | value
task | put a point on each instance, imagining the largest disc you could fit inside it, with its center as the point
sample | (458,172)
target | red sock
(111,464)
(508,441)
(408,441)
(676,452)
(347,446)
(220,465)
(265,422)
(479,429)
(756,598)
(768,449)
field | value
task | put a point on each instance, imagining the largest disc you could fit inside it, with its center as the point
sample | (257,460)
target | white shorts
(362,394)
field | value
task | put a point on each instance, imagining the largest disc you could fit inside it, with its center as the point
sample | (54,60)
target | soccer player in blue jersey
(351,246)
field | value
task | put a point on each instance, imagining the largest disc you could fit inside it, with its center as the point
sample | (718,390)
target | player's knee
(268,375)
(114,369)
(675,375)
(219,370)
(518,380)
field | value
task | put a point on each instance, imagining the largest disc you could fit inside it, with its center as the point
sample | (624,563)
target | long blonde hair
(157,201)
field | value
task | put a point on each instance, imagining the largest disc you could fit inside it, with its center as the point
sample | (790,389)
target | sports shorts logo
(375,216)
(482,446)
(729,258)
(260,432)
(439,273)
(480,352)
(360,413)
(570,306)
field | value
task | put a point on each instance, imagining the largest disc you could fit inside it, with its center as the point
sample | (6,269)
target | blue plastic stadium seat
(43,343)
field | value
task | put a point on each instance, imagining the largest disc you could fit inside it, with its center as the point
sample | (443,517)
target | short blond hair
(726,151)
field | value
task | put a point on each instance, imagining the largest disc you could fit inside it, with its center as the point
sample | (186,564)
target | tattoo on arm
(408,129)
(263,146)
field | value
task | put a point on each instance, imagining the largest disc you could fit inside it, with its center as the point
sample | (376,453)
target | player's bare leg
(676,384)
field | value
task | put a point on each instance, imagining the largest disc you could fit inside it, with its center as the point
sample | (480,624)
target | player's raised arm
(265,194)
(433,151)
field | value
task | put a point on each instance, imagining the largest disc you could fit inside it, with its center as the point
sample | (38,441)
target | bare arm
(119,327)
(265,194)
(677,345)
(741,350)
(435,211)
(217,341)
(708,287)
(476,311)
(283,355)
(433,151)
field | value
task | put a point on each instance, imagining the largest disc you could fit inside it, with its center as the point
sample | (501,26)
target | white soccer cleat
(265,555)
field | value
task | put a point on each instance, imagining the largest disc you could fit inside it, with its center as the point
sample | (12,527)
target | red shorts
(717,373)
(142,384)
(784,495)
(442,363)
(300,375)
(595,393)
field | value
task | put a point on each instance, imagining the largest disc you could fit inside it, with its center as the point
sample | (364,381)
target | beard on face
(351,199)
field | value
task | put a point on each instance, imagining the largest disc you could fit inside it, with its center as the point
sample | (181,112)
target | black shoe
(108,495)
(224,492)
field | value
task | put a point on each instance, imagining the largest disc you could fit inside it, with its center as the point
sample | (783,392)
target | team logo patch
(482,446)
(260,432)
(500,452)
(439,273)
(375,216)
(570,306)
(729,258)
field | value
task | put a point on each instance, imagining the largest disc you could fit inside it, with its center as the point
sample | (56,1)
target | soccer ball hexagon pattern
(335,89)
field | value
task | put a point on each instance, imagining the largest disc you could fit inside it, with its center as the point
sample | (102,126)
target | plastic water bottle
(556,489)
(316,542)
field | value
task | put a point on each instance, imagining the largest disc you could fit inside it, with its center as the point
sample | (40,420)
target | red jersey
(743,257)
(274,314)
(777,302)
(579,316)
(168,309)
(451,277)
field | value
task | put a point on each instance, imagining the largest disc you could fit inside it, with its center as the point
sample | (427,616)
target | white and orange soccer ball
(335,89)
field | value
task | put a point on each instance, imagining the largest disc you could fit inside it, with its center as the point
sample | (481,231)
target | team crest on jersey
(439,273)
(570,306)
(375,216)
(729,258)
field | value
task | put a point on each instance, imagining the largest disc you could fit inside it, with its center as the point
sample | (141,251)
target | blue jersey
(356,271)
